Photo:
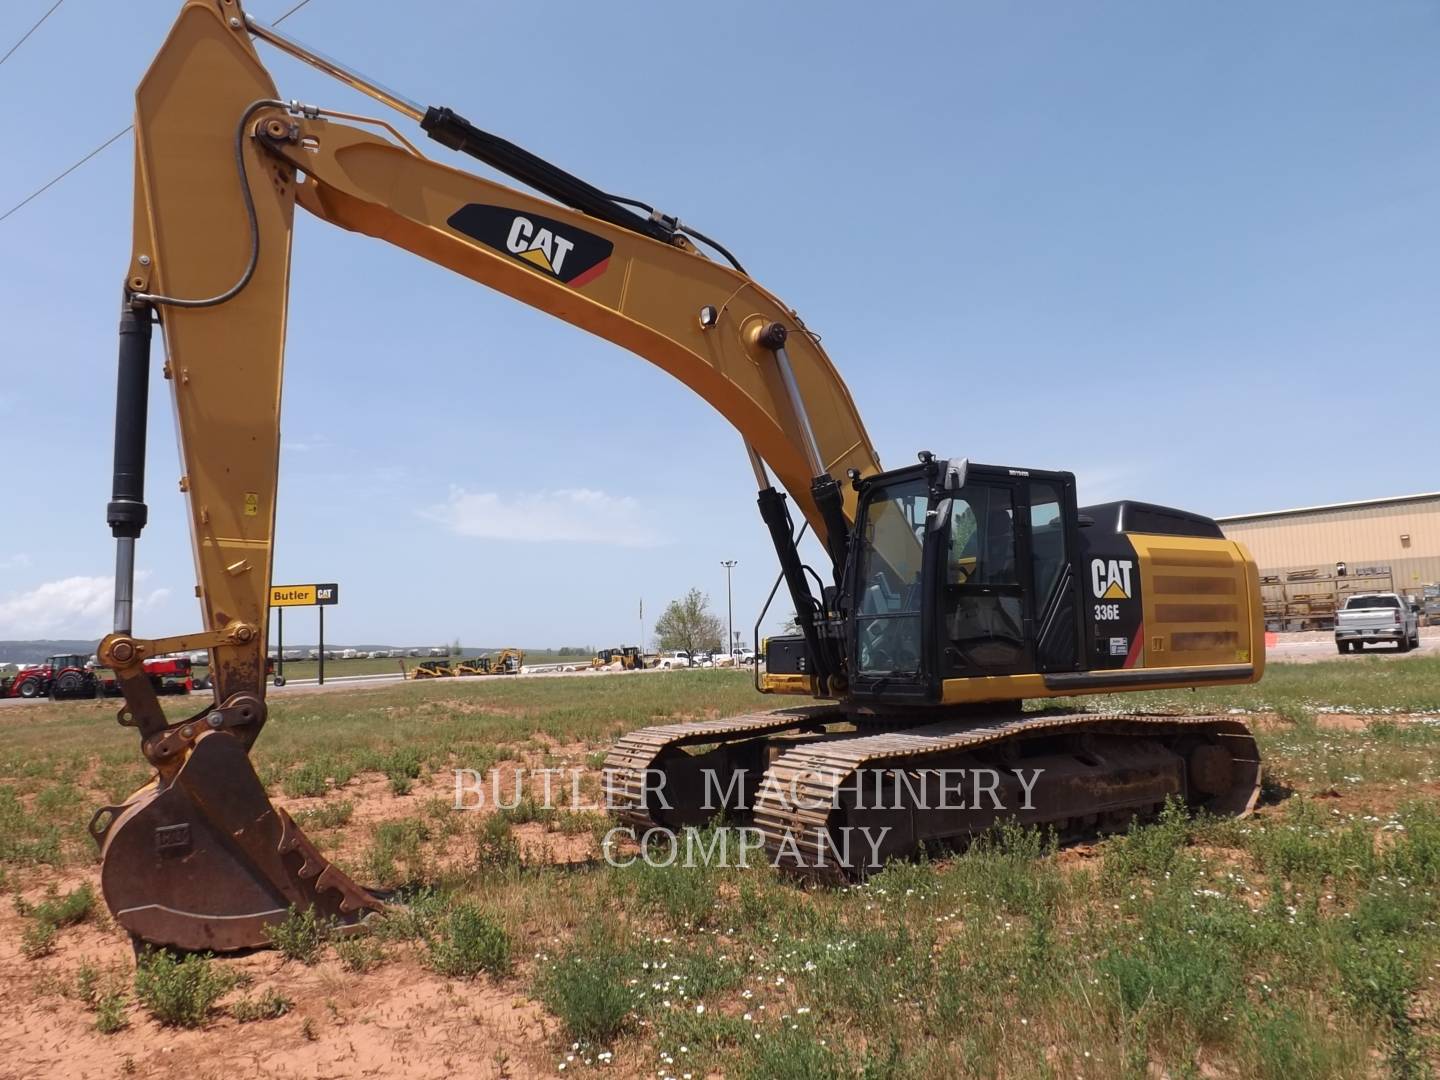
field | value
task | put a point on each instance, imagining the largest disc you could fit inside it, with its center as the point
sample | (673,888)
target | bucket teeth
(207,862)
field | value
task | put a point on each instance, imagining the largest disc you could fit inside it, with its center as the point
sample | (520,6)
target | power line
(46,16)
(126,129)
(282,18)
(67,172)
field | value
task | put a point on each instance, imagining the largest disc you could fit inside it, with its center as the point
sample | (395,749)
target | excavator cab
(969,583)
(960,571)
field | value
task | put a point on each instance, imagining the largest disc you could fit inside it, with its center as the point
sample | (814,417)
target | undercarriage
(836,795)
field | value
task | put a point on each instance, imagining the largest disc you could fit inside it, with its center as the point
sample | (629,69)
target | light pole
(729,564)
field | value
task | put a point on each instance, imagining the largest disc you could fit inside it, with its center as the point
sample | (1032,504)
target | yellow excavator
(954,589)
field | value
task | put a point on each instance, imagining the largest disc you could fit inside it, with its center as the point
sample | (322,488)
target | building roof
(1237,519)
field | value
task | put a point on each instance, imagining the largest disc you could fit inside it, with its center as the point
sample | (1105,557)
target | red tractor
(74,676)
(69,676)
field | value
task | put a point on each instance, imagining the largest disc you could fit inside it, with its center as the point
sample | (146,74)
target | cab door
(984,625)
(1007,603)
(1055,589)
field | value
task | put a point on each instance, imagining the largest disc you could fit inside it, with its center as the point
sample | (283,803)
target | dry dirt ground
(402,1020)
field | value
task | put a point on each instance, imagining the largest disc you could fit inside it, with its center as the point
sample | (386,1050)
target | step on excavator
(955,590)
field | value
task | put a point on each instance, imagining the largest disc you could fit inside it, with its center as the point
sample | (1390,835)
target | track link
(640,755)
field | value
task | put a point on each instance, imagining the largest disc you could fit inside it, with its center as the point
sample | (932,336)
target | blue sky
(1164,246)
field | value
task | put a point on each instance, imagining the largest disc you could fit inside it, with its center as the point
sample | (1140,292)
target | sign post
(283,596)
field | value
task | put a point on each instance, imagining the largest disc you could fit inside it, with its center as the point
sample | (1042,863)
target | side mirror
(938,517)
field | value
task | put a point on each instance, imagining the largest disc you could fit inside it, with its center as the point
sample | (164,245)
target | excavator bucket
(206,862)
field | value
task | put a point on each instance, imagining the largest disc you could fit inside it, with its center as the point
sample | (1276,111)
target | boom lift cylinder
(126,514)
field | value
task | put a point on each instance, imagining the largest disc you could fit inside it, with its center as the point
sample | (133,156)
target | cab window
(892,541)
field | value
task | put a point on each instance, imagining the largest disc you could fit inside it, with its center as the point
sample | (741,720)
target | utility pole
(729,564)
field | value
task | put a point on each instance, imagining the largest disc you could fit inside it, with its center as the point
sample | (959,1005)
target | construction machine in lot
(954,590)
(431,669)
(628,657)
(507,661)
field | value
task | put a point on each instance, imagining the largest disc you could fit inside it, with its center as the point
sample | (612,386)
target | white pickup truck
(1368,618)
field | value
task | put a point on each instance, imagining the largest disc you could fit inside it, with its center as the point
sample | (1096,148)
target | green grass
(1300,943)
(180,992)
(45,920)
(1372,686)
(301,935)
(268,1006)
(467,942)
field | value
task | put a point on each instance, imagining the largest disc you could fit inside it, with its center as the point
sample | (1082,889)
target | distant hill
(29,652)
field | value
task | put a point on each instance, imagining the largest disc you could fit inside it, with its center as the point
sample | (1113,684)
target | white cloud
(305,444)
(573,515)
(71,607)
(18,561)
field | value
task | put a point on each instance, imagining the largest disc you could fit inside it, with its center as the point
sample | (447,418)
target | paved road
(1307,652)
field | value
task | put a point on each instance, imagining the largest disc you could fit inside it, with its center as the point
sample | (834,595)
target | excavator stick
(199,858)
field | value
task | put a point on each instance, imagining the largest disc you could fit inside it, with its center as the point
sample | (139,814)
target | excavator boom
(221,162)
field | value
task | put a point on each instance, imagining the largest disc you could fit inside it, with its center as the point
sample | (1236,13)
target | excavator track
(834,807)
(636,765)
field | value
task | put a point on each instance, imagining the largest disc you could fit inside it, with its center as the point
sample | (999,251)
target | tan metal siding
(1357,536)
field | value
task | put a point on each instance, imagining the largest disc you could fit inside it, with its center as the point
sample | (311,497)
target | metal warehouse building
(1385,545)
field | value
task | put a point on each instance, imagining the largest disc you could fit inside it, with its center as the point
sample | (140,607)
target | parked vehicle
(1430,605)
(507,661)
(677,658)
(73,675)
(431,669)
(1375,618)
(67,676)
(627,656)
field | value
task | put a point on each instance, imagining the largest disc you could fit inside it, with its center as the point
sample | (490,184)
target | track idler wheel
(206,862)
